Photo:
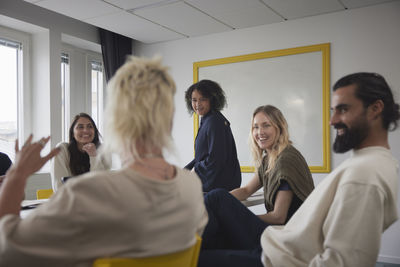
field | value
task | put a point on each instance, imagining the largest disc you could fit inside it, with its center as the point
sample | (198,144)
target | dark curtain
(115,48)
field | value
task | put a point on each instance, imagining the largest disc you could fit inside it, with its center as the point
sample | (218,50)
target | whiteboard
(294,80)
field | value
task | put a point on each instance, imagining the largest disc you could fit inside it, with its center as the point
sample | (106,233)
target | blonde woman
(232,236)
(149,207)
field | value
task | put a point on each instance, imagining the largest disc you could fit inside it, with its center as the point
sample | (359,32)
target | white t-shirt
(60,165)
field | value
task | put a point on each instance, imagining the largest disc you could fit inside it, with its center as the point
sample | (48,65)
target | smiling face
(83,131)
(264,133)
(200,104)
(349,118)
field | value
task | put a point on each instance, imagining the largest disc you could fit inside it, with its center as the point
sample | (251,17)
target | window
(97,93)
(10,89)
(65,87)
(81,85)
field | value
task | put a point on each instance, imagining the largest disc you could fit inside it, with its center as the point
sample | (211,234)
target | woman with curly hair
(215,161)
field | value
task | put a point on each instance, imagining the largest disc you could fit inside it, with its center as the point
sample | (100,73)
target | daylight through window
(10,76)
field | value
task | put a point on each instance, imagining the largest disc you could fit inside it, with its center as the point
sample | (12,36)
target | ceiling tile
(238,13)
(183,18)
(175,19)
(131,4)
(361,3)
(32,1)
(293,9)
(134,27)
(79,9)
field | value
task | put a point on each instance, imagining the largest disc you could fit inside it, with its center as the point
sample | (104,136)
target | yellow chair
(44,193)
(185,258)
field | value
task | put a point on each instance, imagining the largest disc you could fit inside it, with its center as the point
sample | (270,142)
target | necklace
(154,169)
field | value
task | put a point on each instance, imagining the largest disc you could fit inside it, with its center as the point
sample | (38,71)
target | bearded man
(342,220)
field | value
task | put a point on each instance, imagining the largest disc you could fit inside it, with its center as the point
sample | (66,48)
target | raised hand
(28,159)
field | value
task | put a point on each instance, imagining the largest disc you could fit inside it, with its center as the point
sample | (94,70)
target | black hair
(371,87)
(79,162)
(210,90)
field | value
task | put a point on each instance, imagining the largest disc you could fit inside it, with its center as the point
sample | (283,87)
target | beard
(351,138)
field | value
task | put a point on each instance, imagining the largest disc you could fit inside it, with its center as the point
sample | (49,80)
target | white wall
(365,39)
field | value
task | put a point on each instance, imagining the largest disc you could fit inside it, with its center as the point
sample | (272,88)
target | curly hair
(210,90)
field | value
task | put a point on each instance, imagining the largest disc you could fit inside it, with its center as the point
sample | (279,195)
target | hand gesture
(28,159)
(90,149)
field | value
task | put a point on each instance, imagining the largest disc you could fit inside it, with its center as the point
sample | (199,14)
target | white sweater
(341,221)
(60,166)
(106,214)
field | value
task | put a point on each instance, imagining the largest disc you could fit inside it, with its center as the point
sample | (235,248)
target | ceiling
(151,21)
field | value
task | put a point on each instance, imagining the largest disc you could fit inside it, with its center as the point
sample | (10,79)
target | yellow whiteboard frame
(325,49)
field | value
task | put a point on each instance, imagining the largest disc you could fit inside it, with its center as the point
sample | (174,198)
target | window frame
(92,56)
(66,105)
(75,54)
(24,100)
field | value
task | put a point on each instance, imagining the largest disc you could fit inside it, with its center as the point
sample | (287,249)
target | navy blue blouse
(216,161)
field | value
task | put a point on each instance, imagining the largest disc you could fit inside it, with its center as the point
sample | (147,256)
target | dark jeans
(232,235)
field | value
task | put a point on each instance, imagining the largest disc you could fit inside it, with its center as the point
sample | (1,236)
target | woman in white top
(80,155)
(148,207)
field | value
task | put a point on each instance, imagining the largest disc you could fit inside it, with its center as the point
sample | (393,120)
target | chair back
(185,258)
(44,193)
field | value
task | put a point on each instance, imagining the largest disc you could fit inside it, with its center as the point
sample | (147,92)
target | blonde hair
(140,107)
(281,141)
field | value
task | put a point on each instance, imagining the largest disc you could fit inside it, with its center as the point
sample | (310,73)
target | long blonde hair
(140,107)
(281,141)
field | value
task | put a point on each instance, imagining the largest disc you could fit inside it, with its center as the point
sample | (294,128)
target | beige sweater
(114,214)
(341,221)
